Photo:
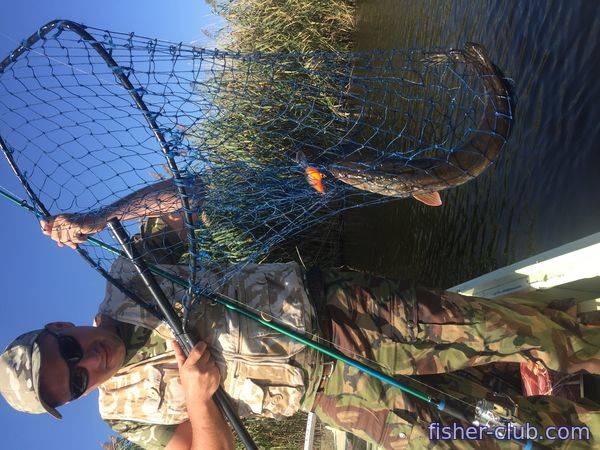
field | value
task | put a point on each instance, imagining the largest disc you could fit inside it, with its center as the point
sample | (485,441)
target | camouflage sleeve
(159,242)
(147,436)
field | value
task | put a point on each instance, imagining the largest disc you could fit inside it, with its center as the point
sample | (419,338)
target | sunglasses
(71,352)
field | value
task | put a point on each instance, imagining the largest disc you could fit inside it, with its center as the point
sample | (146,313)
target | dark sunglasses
(72,353)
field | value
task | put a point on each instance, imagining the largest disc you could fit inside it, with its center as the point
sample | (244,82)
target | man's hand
(198,373)
(200,379)
(72,229)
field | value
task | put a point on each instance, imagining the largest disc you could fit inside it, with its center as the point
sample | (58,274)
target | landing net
(263,150)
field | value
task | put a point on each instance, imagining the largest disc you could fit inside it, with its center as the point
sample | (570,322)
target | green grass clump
(119,443)
(261,99)
(287,434)
(287,25)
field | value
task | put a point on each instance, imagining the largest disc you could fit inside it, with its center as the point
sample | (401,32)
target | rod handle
(452,410)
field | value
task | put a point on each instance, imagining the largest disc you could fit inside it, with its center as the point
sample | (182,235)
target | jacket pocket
(275,402)
(276,292)
(148,393)
(272,388)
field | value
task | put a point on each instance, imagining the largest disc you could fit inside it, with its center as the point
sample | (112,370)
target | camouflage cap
(19,375)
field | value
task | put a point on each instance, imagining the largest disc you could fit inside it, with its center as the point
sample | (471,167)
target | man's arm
(155,200)
(158,199)
(206,428)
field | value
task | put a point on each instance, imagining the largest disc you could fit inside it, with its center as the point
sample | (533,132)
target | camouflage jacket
(264,373)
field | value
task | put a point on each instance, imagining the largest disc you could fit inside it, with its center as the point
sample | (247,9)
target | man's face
(103,354)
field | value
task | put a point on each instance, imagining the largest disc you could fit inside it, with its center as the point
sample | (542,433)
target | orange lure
(315,179)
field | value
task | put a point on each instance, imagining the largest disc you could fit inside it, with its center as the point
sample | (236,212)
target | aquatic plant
(286,25)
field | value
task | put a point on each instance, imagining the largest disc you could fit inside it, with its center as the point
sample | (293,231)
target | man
(155,396)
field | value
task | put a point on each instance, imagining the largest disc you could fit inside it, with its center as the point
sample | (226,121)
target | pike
(422,178)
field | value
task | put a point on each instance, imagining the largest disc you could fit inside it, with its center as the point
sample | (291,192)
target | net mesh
(260,151)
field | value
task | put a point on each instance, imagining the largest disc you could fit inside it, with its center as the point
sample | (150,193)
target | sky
(40,282)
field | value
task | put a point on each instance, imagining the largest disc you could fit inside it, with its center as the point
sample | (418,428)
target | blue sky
(41,282)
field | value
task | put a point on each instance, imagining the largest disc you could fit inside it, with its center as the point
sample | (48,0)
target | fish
(423,178)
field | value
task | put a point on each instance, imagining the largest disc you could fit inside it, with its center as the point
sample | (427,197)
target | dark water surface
(544,190)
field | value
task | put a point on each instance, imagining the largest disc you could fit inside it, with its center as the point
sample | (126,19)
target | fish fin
(315,179)
(430,198)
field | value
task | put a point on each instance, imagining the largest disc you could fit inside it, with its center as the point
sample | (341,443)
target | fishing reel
(492,415)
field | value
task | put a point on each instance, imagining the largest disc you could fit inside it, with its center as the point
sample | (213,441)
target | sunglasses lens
(72,353)
(79,382)
(70,349)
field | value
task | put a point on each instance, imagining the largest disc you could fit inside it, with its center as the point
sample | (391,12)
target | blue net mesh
(260,151)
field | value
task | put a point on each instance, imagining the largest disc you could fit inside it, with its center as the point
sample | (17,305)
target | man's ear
(57,326)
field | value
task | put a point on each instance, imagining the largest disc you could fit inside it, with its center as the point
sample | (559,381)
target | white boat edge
(576,261)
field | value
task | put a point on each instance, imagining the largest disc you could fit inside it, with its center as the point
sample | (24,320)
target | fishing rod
(484,413)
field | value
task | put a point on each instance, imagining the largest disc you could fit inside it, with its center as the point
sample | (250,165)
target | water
(544,190)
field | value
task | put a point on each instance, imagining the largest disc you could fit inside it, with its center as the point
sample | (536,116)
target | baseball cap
(20,373)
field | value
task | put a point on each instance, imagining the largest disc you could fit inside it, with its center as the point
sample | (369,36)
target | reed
(261,100)
(255,95)
(287,25)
